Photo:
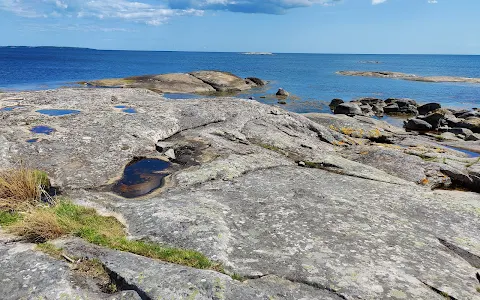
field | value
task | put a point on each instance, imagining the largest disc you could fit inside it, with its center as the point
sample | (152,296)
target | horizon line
(240,52)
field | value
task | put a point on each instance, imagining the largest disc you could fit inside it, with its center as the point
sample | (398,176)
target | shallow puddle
(42,129)
(469,153)
(129,110)
(10,108)
(141,177)
(58,112)
(31,141)
(120,106)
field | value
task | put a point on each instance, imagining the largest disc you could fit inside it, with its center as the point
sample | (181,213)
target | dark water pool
(31,141)
(130,110)
(58,112)
(183,96)
(141,177)
(42,129)
(120,106)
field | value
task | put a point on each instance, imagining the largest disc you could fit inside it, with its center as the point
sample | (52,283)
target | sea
(311,79)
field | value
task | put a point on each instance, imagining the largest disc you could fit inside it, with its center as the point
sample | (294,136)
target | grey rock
(426,108)
(472,123)
(258,228)
(159,280)
(418,125)
(349,109)
(170,153)
(283,93)
(222,81)
(31,274)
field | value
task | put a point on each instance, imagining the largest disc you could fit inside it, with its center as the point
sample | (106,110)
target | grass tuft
(21,187)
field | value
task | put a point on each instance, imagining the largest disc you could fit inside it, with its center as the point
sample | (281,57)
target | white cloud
(375,2)
(147,11)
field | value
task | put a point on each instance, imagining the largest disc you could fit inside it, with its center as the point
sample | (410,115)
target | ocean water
(310,78)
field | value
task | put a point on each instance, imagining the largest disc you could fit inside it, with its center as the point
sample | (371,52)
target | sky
(291,26)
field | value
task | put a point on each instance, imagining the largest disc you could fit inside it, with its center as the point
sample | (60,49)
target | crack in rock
(441,293)
(472,259)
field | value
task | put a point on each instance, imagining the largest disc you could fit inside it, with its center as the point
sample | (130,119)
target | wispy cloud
(375,2)
(147,11)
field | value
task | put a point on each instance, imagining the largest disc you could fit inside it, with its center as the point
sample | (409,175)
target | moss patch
(50,249)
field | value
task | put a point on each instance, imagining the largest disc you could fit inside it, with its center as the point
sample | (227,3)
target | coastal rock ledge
(411,77)
(292,206)
(200,82)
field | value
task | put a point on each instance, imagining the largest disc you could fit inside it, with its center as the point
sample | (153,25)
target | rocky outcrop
(411,77)
(298,206)
(201,82)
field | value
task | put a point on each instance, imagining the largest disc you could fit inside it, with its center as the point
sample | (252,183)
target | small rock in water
(302,164)
(417,124)
(282,92)
(349,109)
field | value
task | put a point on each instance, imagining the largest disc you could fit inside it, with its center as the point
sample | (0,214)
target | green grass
(238,277)
(49,222)
(9,218)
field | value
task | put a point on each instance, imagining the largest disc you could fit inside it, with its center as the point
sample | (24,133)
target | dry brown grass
(39,226)
(21,187)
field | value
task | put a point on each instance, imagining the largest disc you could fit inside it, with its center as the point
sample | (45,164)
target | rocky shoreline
(411,77)
(314,206)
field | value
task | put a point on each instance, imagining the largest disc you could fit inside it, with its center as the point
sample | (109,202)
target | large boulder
(349,109)
(472,123)
(400,107)
(418,125)
(426,108)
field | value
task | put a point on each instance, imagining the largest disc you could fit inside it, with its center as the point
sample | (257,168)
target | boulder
(401,101)
(472,123)
(334,103)
(349,109)
(426,108)
(436,118)
(282,93)
(193,83)
(418,125)
(372,101)
(400,107)
(469,114)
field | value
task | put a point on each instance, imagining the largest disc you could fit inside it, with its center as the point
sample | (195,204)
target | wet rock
(334,103)
(283,93)
(426,108)
(349,109)
(418,125)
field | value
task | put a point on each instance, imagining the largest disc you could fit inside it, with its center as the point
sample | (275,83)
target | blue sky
(306,26)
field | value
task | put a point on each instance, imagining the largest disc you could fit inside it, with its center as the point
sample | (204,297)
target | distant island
(257,53)
(411,77)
